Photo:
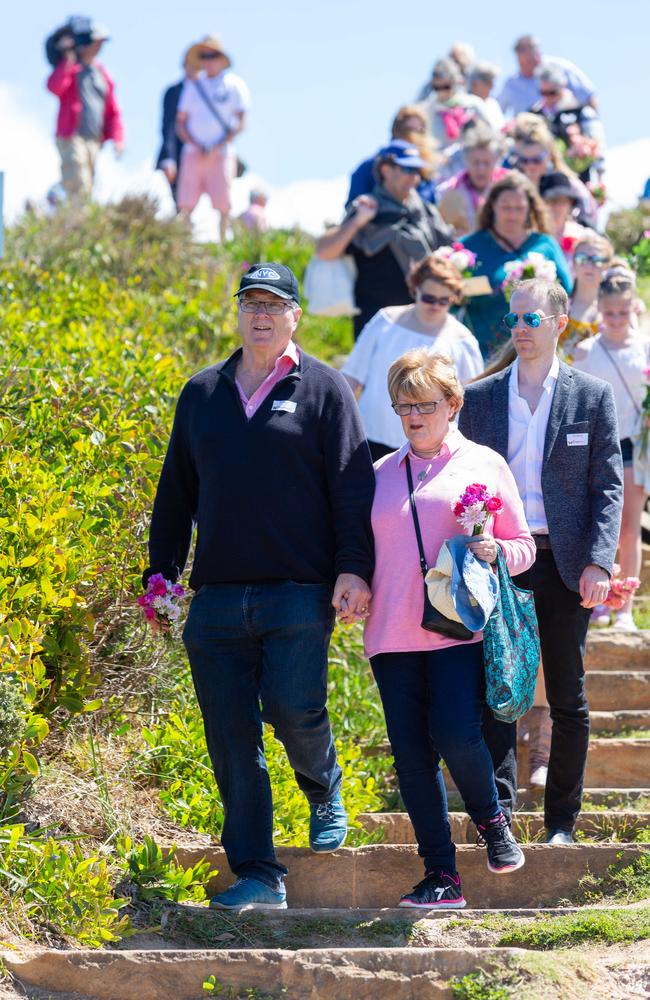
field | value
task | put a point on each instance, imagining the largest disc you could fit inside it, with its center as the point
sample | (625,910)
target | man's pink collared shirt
(287,360)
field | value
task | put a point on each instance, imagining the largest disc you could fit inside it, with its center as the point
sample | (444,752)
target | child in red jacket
(88,114)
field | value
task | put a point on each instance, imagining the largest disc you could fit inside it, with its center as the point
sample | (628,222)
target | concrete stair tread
(611,650)
(373,876)
(617,689)
(625,719)
(397,828)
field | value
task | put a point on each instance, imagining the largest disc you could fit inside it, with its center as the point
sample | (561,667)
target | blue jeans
(433,703)
(258,652)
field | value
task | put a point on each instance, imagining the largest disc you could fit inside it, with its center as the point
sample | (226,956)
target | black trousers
(563,627)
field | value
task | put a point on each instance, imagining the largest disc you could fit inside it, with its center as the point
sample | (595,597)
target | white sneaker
(600,615)
(624,622)
(538,777)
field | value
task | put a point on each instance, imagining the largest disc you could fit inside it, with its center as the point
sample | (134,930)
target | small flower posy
(474,507)
(460,257)
(160,600)
(621,589)
(533,265)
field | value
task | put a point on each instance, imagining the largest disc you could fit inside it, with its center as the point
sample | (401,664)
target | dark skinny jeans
(433,703)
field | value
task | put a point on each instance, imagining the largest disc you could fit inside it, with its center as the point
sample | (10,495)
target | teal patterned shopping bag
(511,649)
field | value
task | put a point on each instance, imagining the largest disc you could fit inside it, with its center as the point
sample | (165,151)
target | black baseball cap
(276,278)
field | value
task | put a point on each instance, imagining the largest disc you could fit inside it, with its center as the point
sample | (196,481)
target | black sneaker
(438,889)
(503,853)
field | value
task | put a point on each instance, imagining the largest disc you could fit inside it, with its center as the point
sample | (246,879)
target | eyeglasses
(532,160)
(261,305)
(211,55)
(434,300)
(405,409)
(532,320)
(590,258)
(549,93)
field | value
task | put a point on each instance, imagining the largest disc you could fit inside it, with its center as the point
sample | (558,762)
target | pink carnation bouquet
(474,507)
(621,589)
(160,600)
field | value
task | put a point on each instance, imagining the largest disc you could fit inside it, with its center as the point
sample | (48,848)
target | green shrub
(566,931)
(479,986)
(159,876)
(13,709)
(626,227)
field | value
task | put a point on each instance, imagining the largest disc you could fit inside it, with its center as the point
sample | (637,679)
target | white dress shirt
(526,434)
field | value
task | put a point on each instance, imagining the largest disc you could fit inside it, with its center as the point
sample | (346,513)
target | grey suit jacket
(582,485)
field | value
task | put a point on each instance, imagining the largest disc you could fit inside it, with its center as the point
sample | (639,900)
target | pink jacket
(63,83)
(397,587)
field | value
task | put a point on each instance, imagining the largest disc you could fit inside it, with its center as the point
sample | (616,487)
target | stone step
(616,722)
(609,690)
(623,762)
(600,825)
(609,649)
(374,876)
(327,973)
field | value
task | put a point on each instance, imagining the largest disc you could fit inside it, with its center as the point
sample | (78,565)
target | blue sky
(326,78)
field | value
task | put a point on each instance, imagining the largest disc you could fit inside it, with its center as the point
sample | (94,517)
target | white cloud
(30,162)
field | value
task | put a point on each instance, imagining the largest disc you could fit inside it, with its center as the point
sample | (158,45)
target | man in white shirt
(521,90)
(558,431)
(211,112)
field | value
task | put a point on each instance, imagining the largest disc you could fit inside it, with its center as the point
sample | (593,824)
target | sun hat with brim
(461,586)
(403,153)
(208,42)
(556,185)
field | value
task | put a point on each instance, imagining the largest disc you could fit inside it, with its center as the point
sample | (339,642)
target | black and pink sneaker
(438,890)
(503,853)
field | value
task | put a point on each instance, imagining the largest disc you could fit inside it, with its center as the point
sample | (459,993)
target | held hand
(158,626)
(484,547)
(351,598)
(170,171)
(366,208)
(594,586)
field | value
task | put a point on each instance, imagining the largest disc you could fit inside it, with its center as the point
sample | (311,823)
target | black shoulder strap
(416,523)
(210,105)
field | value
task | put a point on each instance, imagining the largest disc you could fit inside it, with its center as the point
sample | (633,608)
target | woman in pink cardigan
(432,687)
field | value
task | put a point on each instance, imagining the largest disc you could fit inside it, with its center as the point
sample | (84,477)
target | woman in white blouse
(436,284)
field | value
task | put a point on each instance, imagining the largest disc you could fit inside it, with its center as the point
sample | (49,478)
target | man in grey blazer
(557,429)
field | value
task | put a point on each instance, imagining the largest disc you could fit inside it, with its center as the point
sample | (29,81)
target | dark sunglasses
(590,258)
(434,300)
(211,55)
(440,86)
(532,320)
(532,160)
(549,93)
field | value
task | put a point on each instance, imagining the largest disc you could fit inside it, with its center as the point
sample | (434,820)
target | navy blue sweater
(282,496)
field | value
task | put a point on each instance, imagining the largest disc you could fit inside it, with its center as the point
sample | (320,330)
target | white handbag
(329,286)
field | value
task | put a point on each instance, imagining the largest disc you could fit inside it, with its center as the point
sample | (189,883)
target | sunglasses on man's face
(549,93)
(211,55)
(440,86)
(532,320)
(532,160)
(434,300)
(590,258)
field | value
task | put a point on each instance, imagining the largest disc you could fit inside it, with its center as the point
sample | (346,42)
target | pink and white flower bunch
(533,265)
(160,600)
(460,257)
(621,589)
(474,507)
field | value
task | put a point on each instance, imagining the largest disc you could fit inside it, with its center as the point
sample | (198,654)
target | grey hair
(554,75)
(448,69)
(480,136)
(483,73)
(525,40)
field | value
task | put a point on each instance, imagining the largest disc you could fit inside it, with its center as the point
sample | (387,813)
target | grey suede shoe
(561,837)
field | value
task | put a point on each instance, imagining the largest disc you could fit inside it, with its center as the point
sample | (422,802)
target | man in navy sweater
(268,459)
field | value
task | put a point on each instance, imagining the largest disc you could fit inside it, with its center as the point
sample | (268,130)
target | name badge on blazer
(285,405)
(576,440)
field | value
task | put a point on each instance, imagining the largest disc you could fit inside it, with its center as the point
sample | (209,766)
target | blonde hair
(437,269)
(531,129)
(418,372)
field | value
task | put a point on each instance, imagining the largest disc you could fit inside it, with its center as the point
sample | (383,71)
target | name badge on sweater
(285,405)
(577,439)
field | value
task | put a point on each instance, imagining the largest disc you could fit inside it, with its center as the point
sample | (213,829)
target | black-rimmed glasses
(405,409)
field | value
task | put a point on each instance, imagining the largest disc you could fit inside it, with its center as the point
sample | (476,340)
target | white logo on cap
(265,273)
